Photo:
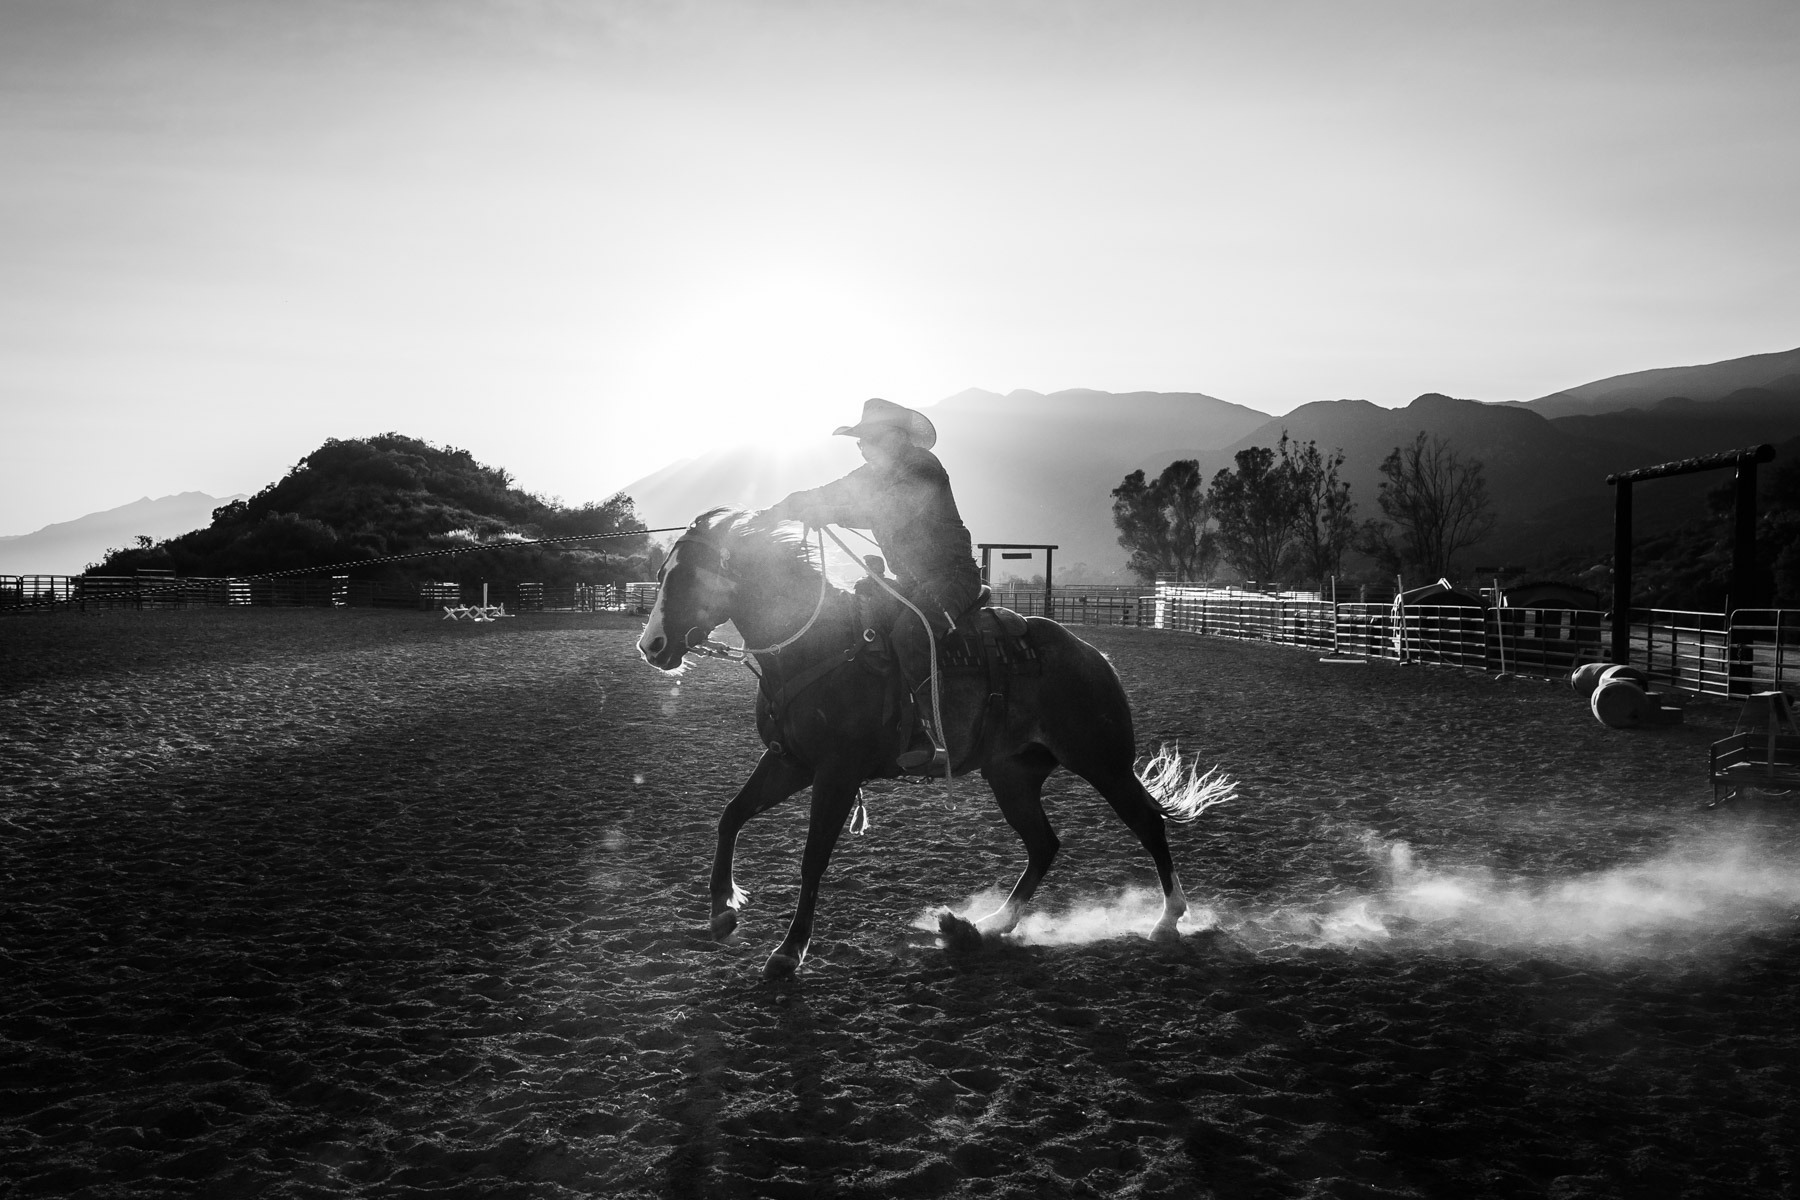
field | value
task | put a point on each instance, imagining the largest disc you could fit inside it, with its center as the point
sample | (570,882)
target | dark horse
(837,730)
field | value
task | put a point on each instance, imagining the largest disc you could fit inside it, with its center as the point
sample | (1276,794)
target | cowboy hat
(885,414)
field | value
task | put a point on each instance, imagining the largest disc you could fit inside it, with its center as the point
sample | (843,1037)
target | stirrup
(933,759)
(922,753)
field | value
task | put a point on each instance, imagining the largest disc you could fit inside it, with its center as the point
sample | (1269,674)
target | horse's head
(695,590)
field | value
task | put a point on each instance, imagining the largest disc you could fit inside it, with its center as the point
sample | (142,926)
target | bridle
(704,644)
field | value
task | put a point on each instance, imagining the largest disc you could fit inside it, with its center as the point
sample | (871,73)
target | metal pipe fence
(1082,604)
(1294,619)
(1752,650)
(1686,650)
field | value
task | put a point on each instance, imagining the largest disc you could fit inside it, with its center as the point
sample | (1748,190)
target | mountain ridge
(1700,383)
(67,547)
(1033,466)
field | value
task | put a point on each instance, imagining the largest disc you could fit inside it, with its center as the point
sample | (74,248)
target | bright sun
(774,356)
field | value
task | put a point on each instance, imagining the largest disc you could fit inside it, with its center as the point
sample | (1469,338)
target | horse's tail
(1180,788)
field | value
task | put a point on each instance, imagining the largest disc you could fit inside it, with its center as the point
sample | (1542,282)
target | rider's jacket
(907,504)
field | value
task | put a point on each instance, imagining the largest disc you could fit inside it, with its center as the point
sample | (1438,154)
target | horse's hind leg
(1018,784)
(774,780)
(1139,810)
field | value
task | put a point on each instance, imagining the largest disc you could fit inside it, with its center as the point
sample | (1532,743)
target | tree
(1437,500)
(1324,514)
(1374,538)
(1164,523)
(1255,508)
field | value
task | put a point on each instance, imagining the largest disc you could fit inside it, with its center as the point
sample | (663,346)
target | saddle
(988,643)
(987,640)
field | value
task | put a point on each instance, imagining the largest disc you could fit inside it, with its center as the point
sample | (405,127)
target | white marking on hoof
(1175,907)
(999,922)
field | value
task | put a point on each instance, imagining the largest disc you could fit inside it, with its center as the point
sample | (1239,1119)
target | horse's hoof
(781,966)
(724,925)
(958,933)
(1166,933)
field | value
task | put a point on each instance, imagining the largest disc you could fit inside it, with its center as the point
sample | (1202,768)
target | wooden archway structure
(1016,550)
(1745,589)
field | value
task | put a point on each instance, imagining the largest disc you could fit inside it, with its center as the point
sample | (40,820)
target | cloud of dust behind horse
(1691,898)
(1687,898)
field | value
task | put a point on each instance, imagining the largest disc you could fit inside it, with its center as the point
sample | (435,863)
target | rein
(713,649)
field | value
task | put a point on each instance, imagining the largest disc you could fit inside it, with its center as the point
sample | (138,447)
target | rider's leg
(912,652)
(941,600)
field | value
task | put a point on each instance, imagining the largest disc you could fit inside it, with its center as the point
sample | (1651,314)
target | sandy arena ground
(359,903)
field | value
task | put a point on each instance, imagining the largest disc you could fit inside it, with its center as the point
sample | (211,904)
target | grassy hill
(357,500)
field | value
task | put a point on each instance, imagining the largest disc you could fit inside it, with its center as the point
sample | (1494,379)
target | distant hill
(67,547)
(1028,467)
(354,502)
(1778,372)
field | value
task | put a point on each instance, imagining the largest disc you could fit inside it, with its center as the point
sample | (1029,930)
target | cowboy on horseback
(902,494)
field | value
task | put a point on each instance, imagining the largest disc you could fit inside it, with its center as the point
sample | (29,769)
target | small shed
(1551,626)
(1441,623)
(1550,594)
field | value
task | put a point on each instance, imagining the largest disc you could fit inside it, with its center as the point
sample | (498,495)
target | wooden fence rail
(1707,653)
(52,592)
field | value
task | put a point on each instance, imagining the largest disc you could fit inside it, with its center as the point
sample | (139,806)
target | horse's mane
(731,527)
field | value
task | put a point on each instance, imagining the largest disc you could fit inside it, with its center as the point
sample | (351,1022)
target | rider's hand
(768,518)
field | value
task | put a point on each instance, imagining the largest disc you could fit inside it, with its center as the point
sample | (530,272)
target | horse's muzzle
(656,649)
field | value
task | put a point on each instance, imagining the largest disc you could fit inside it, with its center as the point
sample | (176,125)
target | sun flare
(773,356)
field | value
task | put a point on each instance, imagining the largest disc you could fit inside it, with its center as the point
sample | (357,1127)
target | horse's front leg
(774,780)
(833,796)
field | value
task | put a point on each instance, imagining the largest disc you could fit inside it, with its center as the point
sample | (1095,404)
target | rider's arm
(848,501)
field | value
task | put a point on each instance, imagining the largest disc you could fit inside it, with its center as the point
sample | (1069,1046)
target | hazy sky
(583,238)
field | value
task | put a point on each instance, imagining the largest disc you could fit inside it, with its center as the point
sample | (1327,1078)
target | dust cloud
(1703,894)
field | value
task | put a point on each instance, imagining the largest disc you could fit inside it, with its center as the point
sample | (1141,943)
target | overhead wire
(450,550)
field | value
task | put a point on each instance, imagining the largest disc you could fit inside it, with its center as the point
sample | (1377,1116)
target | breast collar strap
(784,684)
